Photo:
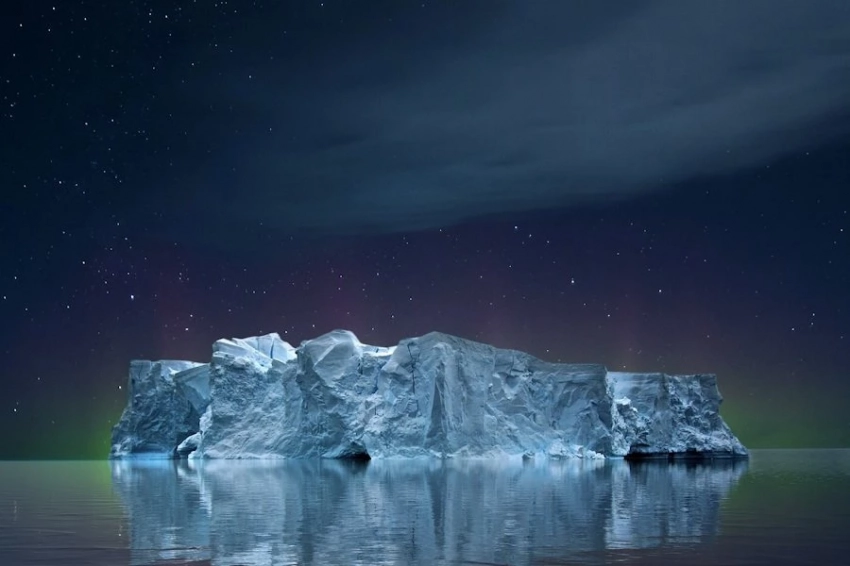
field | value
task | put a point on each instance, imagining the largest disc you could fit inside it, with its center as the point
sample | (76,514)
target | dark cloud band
(536,105)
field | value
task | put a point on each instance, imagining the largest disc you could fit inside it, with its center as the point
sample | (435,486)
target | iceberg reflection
(413,512)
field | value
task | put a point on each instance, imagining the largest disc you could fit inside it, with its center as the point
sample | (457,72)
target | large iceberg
(436,395)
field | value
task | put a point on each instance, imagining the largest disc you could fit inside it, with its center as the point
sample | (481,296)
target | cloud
(529,106)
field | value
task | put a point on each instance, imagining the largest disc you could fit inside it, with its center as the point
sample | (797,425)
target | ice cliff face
(435,395)
(164,406)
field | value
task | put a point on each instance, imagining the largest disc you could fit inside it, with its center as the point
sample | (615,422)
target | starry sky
(649,185)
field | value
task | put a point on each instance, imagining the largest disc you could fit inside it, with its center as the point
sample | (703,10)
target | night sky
(648,185)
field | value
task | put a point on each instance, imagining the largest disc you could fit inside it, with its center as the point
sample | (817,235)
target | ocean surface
(780,507)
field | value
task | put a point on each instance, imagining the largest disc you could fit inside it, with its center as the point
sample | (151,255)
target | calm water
(781,507)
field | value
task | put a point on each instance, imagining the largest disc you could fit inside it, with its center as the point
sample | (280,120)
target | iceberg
(435,395)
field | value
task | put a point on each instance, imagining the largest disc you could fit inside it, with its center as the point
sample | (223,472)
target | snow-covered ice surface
(432,396)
